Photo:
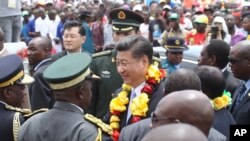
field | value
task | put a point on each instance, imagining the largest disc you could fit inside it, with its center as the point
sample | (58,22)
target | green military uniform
(104,64)
(66,120)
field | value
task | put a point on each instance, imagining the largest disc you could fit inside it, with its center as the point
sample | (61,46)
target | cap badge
(121,15)
(177,42)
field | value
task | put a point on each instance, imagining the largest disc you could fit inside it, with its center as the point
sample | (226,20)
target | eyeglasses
(155,119)
(234,61)
(71,36)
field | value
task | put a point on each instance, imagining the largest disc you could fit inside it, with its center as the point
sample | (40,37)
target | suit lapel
(232,107)
(226,73)
(242,102)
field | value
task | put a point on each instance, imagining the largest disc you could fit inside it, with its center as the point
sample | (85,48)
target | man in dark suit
(213,85)
(124,22)
(73,38)
(72,91)
(12,92)
(239,59)
(134,64)
(215,53)
(39,52)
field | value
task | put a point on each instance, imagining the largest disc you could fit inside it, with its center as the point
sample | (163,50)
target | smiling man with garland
(143,85)
(124,23)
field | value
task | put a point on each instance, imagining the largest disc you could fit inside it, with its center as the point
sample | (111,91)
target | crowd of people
(93,73)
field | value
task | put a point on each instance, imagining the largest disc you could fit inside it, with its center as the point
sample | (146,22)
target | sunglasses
(155,119)
(234,61)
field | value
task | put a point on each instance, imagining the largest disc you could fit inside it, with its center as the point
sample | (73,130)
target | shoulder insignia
(103,53)
(23,111)
(104,127)
(26,116)
(16,125)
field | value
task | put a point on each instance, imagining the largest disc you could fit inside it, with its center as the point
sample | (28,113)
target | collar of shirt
(74,52)
(139,88)
(39,64)
(77,107)
(177,66)
(247,84)
(224,69)
(3,103)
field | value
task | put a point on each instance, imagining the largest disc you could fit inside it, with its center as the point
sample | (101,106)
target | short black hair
(182,79)
(70,24)
(138,45)
(212,80)
(152,2)
(221,50)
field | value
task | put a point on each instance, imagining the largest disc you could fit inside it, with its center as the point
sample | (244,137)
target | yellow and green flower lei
(222,101)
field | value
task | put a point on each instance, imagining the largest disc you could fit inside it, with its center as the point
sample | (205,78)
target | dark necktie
(241,94)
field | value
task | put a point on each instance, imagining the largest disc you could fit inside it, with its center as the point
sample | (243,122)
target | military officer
(174,52)
(72,92)
(124,23)
(12,92)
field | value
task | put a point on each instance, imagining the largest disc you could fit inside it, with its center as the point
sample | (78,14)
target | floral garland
(222,101)
(139,105)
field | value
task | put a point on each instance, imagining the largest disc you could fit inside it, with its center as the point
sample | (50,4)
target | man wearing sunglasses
(239,59)
(175,47)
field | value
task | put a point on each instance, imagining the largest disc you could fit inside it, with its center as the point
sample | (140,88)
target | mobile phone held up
(214,29)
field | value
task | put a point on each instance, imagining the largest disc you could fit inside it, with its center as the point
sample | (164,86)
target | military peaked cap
(69,71)
(175,44)
(125,20)
(12,71)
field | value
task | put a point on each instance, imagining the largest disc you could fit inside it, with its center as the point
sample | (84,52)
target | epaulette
(103,53)
(26,116)
(104,127)
(23,111)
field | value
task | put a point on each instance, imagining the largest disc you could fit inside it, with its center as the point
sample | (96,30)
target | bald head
(182,79)
(239,59)
(243,47)
(175,132)
(39,49)
(43,42)
(188,106)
